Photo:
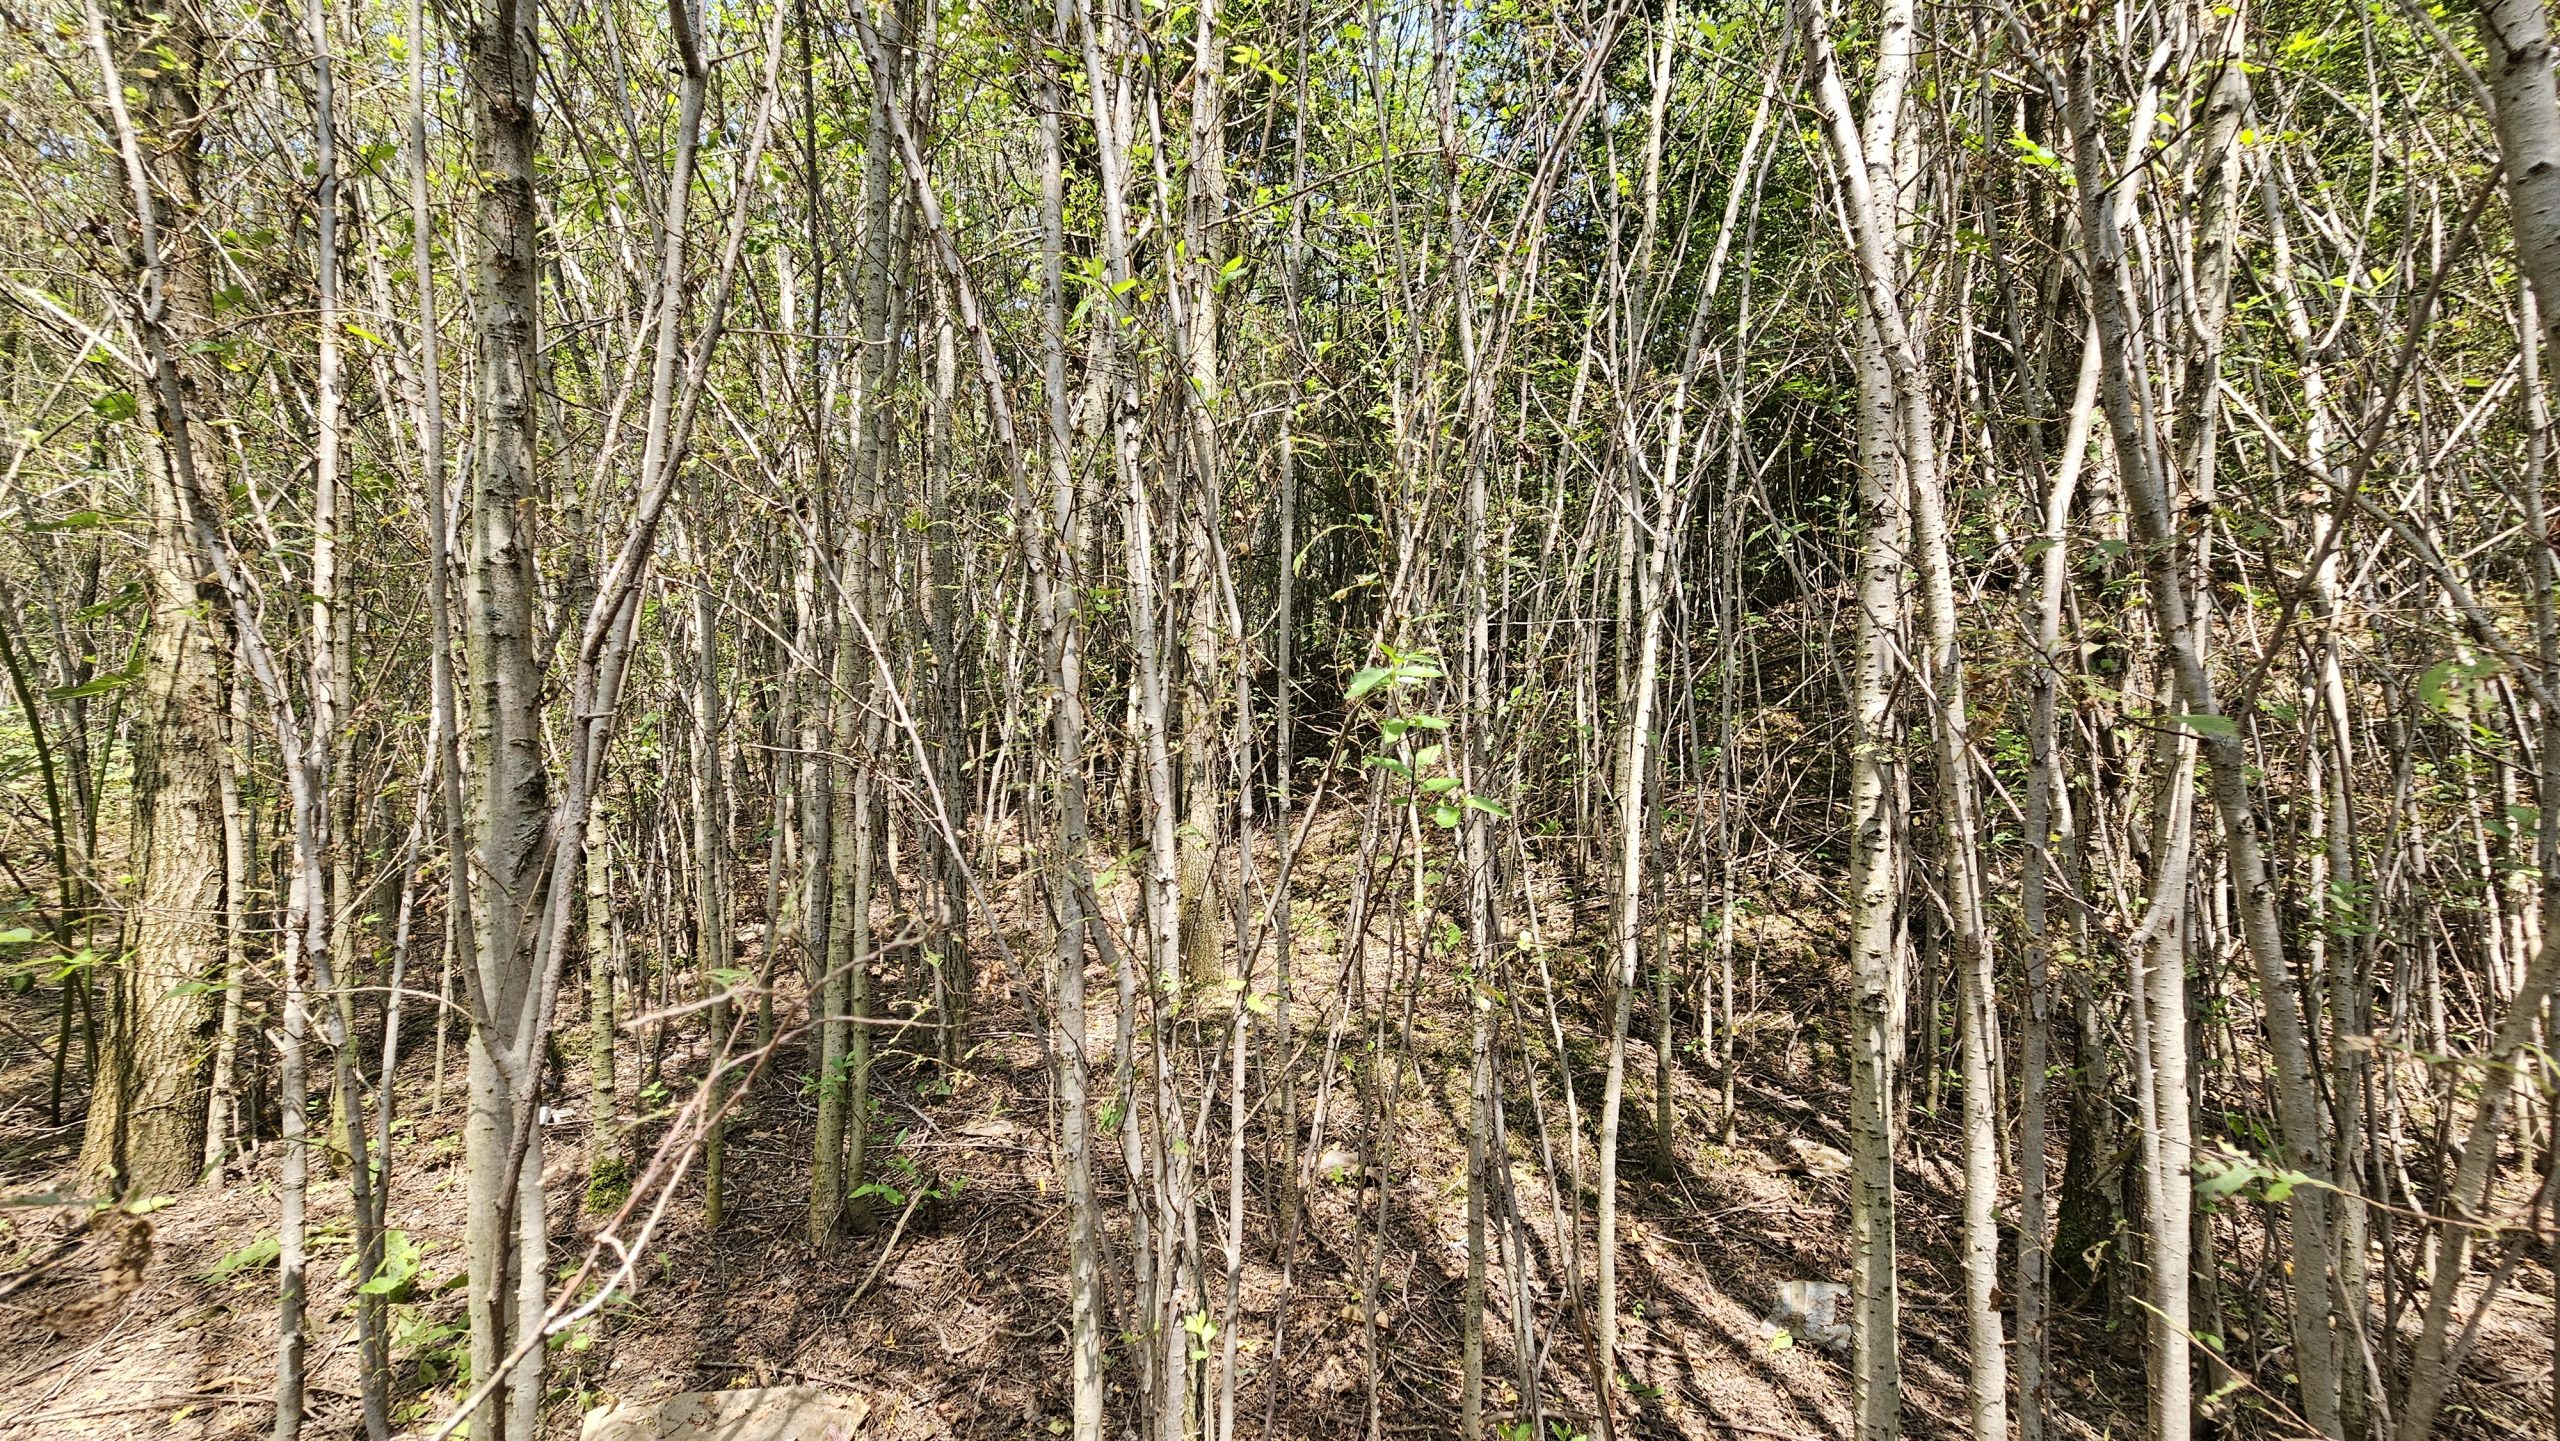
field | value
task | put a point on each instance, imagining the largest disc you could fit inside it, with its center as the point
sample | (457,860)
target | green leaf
(115,405)
(2211,727)
(1366,681)
(401,1258)
(257,1255)
(2215,1180)
(2433,688)
(111,681)
(2280,1184)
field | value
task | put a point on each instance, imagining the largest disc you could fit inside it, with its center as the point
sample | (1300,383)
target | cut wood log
(761,1413)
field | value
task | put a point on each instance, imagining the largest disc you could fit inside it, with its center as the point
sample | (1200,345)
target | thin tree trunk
(510,804)
(1873,825)
(222,1113)
(2048,824)
(1050,535)
(2516,36)
(715,938)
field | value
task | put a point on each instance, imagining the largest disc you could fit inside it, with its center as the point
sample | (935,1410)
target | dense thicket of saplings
(660,554)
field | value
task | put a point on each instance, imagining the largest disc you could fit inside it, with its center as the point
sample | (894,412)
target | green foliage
(2231,1173)
(2211,727)
(257,1255)
(401,1267)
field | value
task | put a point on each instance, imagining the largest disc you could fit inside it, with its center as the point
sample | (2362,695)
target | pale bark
(715,940)
(2516,35)
(608,1169)
(222,1111)
(1053,531)
(1884,529)
(2137,438)
(2048,826)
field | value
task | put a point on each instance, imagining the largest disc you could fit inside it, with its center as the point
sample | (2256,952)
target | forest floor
(162,1327)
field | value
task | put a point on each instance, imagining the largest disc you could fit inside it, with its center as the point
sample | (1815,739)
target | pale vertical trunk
(943,874)
(1884,525)
(1634,773)
(1172,703)
(386,1102)
(222,1112)
(1204,245)
(1742,204)
(2158,952)
(776,859)
(1874,864)
(1959,856)
(715,939)
(1977,977)
(2206,209)
(955,972)
(1164,1370)
(332,954)
(808,696)
(293,1035)
(608,1170)
(1284,693)
(836,1199)
(832,999)
(1640,326)
(1648,534)
(1869,193)
(815,792)
(2345,977)
(428,403)
(1053,604)
(1053,532)
(2546,636)
(2137,441)
(2516,36)
(1475,747)
(2047,824)
(885,222)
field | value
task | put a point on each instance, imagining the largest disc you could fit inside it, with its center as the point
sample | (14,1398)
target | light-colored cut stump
(763,1413)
